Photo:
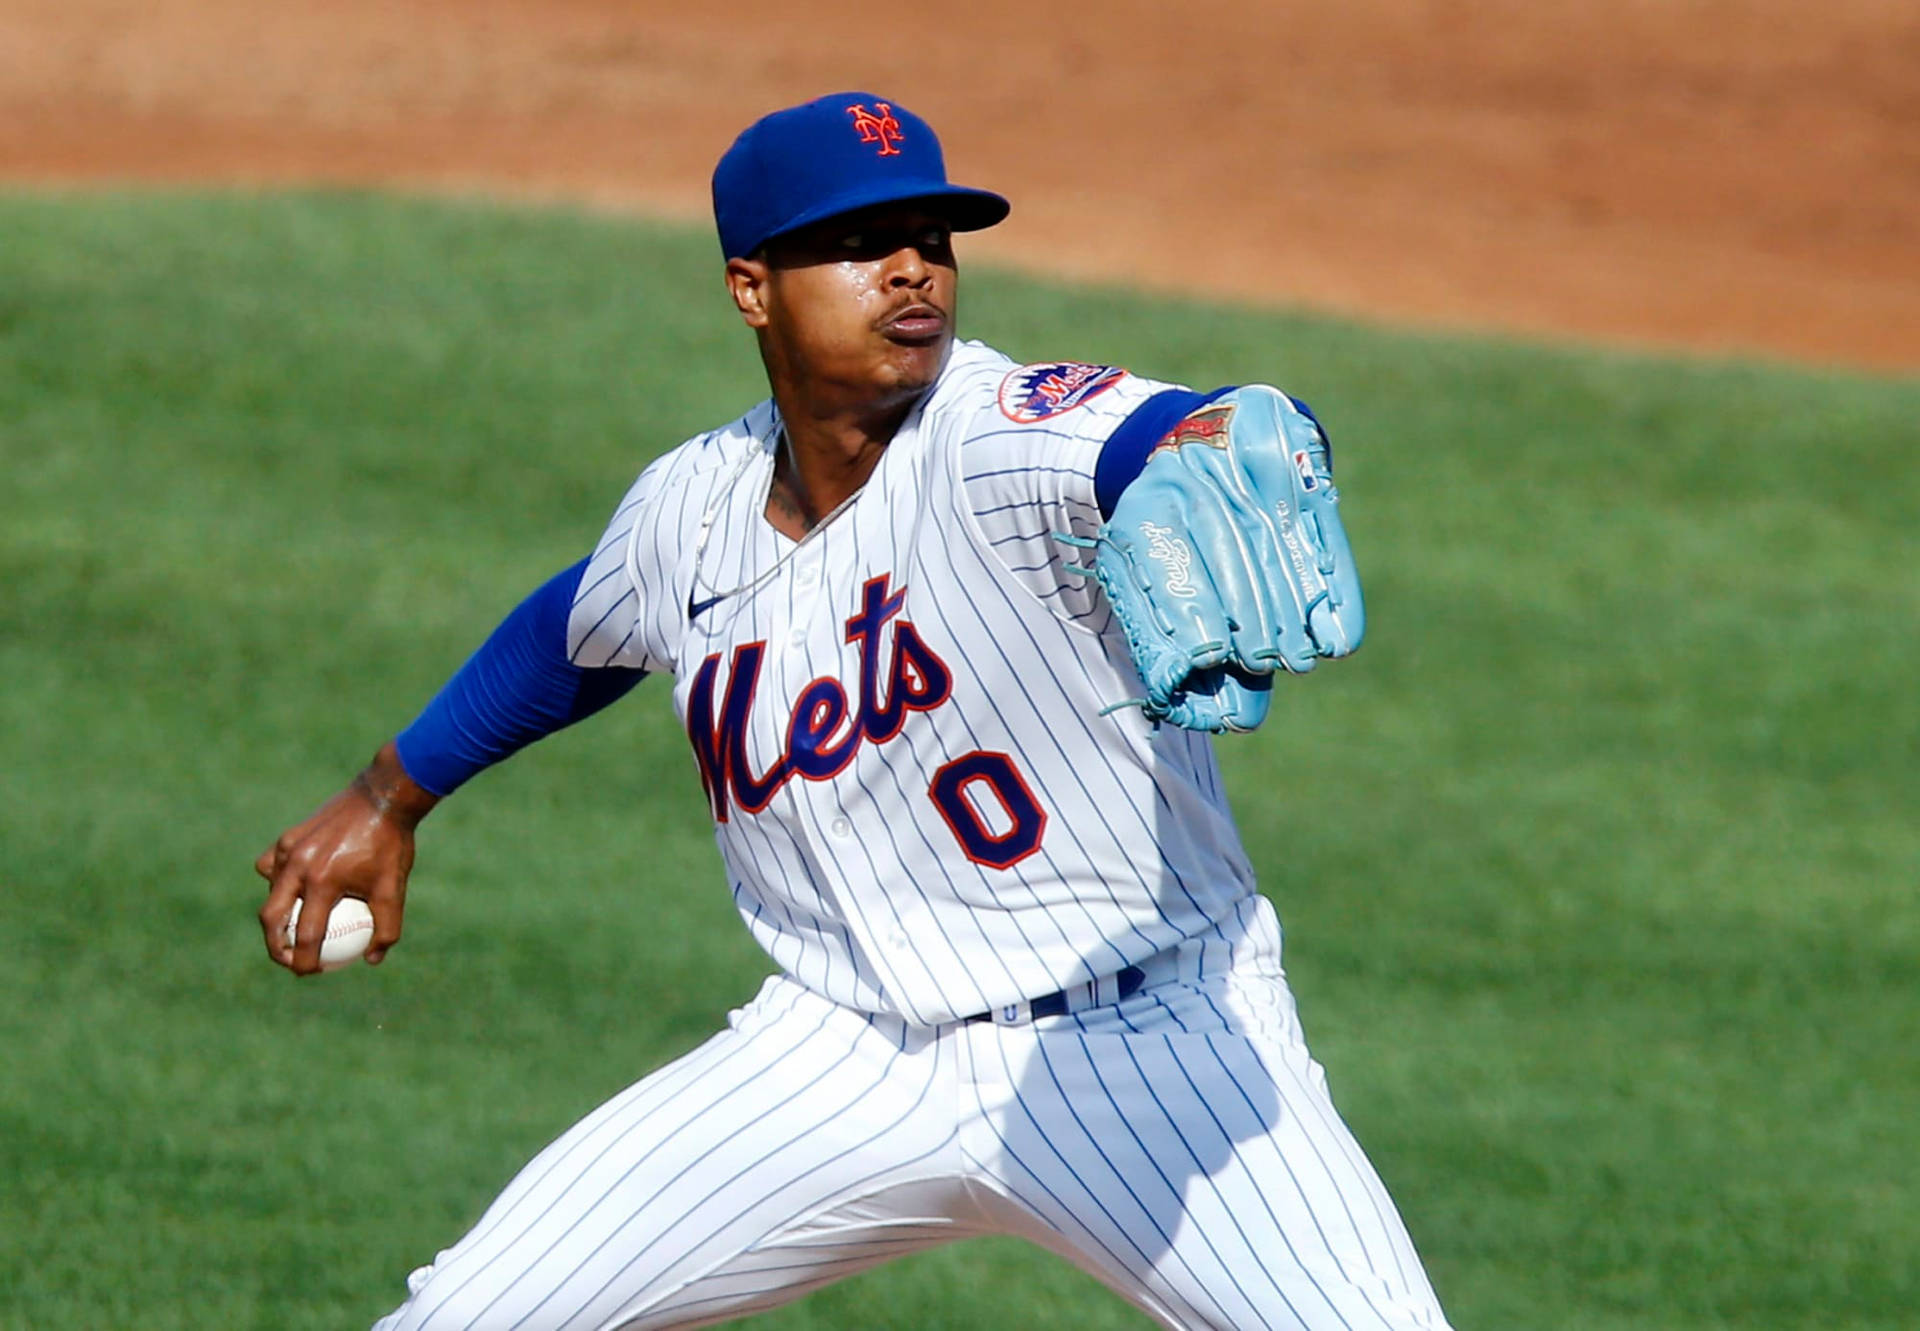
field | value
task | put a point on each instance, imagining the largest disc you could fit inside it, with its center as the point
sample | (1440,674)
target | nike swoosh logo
(696,608)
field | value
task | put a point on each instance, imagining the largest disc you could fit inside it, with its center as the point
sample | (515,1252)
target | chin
(917,367)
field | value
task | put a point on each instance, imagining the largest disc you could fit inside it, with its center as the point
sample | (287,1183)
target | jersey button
(841,827)
(798,637)
(807,575)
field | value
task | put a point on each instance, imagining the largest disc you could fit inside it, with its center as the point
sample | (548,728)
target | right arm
(357,844)
(520,686)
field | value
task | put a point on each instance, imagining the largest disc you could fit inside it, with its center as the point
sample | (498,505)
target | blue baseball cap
(830,156)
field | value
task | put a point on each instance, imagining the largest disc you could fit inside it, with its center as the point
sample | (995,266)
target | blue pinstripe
(975,740)
(1266,1202)
(927,841)
(1118,957)
(1180,1136)
(1072,1113)
(1358,1228)
(1009,508)
(1066,1208)
(485,1230)
(659,1231)
(772,1153)
(1093,746)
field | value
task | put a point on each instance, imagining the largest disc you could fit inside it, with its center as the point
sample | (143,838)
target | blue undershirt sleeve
(1126,449)
(519,687)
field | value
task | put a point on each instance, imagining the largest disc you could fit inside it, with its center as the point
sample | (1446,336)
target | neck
(827,456)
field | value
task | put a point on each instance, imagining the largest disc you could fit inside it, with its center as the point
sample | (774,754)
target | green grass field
(1598,865)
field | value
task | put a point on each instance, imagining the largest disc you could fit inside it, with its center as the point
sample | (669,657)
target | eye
(855,241)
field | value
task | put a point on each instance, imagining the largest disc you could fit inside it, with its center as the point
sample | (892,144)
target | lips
(915,323)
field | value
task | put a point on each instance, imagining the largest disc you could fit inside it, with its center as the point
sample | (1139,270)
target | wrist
(394,795)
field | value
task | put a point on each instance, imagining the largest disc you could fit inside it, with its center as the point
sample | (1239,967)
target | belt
(1124,983)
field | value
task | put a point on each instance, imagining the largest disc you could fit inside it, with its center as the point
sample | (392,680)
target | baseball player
(949,636)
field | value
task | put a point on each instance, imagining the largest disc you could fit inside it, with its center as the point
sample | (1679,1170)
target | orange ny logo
(882,129)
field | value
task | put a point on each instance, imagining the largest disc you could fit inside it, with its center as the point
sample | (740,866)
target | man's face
(861,306)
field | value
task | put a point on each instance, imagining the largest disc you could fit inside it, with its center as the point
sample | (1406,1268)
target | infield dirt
(1729,175)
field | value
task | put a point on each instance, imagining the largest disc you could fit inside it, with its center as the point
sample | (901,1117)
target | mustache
(914,303)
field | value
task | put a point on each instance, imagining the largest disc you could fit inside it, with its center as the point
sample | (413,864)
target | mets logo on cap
(1037,392)
(879,127)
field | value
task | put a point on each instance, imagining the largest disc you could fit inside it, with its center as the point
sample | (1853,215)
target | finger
(316,905)
(388,904)
(282,891)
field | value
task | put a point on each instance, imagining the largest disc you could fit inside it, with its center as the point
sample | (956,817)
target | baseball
(349,930)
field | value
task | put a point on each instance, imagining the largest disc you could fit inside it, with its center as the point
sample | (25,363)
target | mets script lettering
(826,730)
(877,127)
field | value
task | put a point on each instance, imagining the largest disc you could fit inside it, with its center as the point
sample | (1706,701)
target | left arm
(1213,516)
(1225,558)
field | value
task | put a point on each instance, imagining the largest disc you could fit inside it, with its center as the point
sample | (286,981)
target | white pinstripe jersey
(920,807)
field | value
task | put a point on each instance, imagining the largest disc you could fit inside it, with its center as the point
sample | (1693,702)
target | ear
(747,284)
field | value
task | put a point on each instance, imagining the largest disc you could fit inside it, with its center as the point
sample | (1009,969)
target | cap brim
(964,209)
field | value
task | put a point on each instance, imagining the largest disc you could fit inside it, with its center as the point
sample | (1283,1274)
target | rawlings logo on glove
(1171,551)
(1225,560)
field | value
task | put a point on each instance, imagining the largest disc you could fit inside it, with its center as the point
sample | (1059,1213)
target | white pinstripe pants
(1179,1145)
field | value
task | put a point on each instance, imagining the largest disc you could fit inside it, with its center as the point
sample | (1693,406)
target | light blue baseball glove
(1225,560)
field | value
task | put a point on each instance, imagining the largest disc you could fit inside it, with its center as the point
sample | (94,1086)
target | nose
(907,267)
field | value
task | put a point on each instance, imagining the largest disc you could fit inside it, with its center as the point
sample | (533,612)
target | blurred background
(1718,173)
(327,331)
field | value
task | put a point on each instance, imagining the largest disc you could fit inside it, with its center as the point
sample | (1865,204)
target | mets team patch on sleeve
(1038,392)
